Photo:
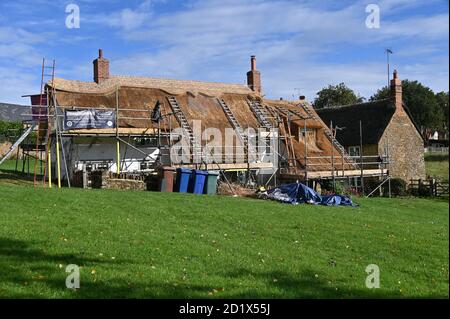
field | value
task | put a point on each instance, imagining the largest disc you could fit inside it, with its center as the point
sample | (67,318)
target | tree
(336,95)
(442,99)
(421,101)
(8,129)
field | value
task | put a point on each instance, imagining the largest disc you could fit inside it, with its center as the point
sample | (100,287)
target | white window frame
(354,150)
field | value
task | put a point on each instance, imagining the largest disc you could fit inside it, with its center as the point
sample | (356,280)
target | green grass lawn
(437,165)
(153,245)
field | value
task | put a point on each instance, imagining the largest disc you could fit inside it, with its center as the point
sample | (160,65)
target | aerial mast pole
(388,51)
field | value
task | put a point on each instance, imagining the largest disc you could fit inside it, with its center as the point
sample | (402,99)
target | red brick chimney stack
(101,68)
(254,77)
(397,92)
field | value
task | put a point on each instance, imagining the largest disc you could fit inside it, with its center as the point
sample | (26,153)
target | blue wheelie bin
(198,179)
(182,182)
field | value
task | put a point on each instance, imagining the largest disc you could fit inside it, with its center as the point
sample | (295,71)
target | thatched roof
(174,87)
(197,100)
(374,115)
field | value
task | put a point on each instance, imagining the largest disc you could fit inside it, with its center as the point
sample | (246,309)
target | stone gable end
(405,146)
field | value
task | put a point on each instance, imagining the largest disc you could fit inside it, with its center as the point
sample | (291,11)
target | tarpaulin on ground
(337,200)
(297,193)
(89,119)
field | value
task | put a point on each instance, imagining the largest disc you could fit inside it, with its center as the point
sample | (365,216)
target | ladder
(286,112)
(43,123)
(17,143)
(290,160)
(260,113)
(237,127)
(187,129)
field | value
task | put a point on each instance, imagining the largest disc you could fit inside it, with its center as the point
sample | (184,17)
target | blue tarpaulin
(298,193)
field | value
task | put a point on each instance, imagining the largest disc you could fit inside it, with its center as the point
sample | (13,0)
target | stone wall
(102,179)
(127,184)
(406,149)
(4,148)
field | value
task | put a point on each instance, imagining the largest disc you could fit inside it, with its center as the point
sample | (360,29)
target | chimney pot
(100,54)
(253,63)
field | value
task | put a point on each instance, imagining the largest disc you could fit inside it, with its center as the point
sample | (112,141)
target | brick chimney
(396,92)
(101,68)
(254,77)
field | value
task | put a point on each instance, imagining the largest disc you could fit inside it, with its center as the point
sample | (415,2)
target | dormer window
(309,134)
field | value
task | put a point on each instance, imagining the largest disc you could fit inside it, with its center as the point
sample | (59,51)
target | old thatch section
(375,116)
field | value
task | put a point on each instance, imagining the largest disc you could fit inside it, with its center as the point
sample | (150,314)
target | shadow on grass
(20,262)
(436,157)
(306,286)
(17,178)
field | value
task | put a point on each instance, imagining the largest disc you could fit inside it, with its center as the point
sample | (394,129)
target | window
(146,141)
(354,151)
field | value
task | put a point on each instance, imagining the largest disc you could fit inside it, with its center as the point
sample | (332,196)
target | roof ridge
(153,78)
(173,86)
(172,79)
(355,104)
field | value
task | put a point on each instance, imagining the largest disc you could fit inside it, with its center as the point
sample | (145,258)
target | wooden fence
(437,149)
(431,187)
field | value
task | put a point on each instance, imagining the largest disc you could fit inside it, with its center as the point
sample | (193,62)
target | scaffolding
(332,167)
(47,119)
(336,166)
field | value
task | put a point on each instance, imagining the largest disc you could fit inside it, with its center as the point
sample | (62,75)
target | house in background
(387,130)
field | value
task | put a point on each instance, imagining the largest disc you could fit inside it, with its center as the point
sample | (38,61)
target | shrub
(327,187)
(398,187)
(370,184)
(339,188)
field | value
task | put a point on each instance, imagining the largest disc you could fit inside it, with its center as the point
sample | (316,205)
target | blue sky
(301,46)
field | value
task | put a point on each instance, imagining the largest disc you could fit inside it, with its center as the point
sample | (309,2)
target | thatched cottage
(301,146)
(387,128)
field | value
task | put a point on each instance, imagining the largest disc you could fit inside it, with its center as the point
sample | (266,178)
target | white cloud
(126,19)
(213,40)
(298,43)
(15,84)
(20,58)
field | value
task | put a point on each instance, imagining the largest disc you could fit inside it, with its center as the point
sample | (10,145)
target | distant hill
(12,112)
